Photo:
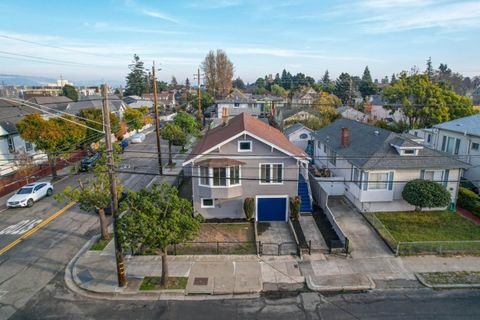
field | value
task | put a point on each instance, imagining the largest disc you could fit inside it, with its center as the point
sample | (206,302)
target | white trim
(200,177)
(227,177)
(279,196)
(271,173)
(207,207)
(235,137)
(386,182)
(243,141)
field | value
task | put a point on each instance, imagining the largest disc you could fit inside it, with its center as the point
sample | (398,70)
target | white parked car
(30,193)
(138,137)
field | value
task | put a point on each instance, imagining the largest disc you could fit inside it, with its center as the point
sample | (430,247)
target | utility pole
(157,121)
(122,278)
(199,97)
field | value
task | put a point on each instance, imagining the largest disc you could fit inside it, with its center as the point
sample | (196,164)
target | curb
(71,282)
(313,287)
(424,282)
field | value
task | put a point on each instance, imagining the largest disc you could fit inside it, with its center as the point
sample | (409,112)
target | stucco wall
(249,179)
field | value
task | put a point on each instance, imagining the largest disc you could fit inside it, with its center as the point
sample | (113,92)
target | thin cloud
(159,15)
(103,26)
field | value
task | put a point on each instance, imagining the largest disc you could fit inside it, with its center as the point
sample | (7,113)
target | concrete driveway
(364,240)
(276,238)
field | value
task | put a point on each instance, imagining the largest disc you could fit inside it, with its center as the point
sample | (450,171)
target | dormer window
(406,147)
(409,151)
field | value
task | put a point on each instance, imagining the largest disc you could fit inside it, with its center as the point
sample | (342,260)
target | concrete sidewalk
(95,272)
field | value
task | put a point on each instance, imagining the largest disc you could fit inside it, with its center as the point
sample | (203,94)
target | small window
(271,173)
(429,138)
(208,203)
(304,136)
(28,146)
(11,144)
(234,175)
(409,151)
(219,177)
(236,105)
(475,146)
(204,176)
(244,146)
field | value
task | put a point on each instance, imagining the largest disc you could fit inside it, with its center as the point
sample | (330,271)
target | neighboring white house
(370,165)
(136,102)
(12,146)
(298,134)
(461,138)
(238,102)
(116,104)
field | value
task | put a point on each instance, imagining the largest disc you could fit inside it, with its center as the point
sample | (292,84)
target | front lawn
(154,283)
(429,226)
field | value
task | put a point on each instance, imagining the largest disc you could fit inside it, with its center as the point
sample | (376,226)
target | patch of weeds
(101,244)
(154,283)
(451,278)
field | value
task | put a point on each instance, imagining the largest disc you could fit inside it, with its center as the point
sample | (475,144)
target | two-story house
(244,157)
(238,102)
(370,165)
(460,138)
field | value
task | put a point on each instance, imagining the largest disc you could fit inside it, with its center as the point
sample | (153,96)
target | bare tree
(218,70)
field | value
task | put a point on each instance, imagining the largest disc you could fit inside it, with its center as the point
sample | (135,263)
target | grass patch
(429,226)
(100,244)
(154,283)
(451,278)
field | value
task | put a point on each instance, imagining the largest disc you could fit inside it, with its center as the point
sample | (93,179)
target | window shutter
(445,178)
(365,181)
(444,143)
(390,180)
(422,174)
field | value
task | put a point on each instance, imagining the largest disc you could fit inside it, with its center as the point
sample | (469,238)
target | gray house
(245,157)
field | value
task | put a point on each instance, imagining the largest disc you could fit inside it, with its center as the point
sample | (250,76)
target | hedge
(467,199)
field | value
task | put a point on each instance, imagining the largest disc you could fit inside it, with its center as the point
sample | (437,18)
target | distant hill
(21,80)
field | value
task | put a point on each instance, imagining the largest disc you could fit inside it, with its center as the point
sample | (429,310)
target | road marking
(36,228)
(21,227)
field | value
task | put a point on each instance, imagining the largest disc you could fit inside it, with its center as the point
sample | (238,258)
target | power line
(43,59)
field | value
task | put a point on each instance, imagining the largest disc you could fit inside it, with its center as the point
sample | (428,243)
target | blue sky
(260,37)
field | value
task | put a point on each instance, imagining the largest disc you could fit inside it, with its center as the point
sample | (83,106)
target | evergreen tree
(367,87)
(429,71)
(173,82)
(137,78)
(187,83)
(70,92)
(393,79)
(238,83)
(342,87)
(326,78)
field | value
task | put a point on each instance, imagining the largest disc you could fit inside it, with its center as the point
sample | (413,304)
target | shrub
(425,194)
(467,199)
(295,203)
(249,208)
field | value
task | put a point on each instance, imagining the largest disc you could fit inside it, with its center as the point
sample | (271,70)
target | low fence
(213,247)
(403,248)
(278,249)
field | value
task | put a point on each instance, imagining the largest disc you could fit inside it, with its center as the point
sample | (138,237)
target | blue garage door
(272,209)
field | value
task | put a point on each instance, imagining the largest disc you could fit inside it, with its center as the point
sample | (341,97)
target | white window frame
(271,173)
(303,134)
(370,182)
(11,143)
(227,175)
(477,146)
(204,206)
(454,146)
(243,141)
(442,175)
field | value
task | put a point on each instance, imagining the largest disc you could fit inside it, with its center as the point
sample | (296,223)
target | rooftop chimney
(225,116)
(345,137)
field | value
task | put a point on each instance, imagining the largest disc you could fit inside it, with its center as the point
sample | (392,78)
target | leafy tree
(157,218)
(186,122)
(425,194)
(424,102)
(238,83)
(218,70)
(93,194)
(55,136)
(173,82)
(367,87)
(393,79)
(249,208)
(134,118)
(70,92)
(279,91)
(343,87)
(96,115)
(137,80)
(175,136)
(327,100)
(260,83)
(206,101)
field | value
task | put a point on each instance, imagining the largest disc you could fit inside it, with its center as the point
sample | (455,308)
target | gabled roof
(55,102)
(237,96)
(11,113)
(370,148)
(238,125)
(469,125)
(294,128)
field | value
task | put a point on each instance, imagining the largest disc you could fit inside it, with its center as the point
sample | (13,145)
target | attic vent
(376,132)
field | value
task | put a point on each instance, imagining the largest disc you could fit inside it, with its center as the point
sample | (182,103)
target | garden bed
(100,244)
(154,283)
(451,278)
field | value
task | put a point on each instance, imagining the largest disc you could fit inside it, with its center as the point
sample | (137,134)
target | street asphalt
(29,266)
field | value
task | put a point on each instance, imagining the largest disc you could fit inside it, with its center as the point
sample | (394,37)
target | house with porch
(246,158)
(370,166)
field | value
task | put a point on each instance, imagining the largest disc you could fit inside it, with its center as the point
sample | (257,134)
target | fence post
(279,248)
(174,249)
(218,249)
(398,248)
(309,247)
(260,247)
(347,245)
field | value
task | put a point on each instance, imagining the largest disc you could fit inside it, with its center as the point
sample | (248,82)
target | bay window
(219,177)
(378,180)
(234,175)
(204,176)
